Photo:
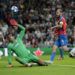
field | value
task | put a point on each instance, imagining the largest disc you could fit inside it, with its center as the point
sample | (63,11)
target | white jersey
(72,52)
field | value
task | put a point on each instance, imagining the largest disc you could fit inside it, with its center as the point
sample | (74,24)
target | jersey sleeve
(21,34)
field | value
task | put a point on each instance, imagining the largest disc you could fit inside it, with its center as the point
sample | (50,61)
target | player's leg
(55,46)
(64,43)
(66,48)
(61,56)
(35,59)
(53,54)
(23,61)
(42,63)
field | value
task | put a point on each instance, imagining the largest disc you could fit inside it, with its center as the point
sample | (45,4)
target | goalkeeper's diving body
(24,56)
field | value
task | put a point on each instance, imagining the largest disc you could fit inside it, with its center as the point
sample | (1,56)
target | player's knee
(65,48)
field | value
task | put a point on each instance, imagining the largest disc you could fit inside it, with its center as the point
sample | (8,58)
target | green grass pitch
(64,67)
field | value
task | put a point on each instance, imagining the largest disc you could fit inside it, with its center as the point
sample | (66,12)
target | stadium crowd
(37,16)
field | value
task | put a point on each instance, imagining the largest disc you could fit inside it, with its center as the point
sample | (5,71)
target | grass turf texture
(64,67)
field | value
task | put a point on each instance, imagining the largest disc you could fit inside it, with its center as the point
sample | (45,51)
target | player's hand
(10,66)
(52,28)
(13,22)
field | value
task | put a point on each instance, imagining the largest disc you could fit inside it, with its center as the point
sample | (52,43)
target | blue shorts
(61,41)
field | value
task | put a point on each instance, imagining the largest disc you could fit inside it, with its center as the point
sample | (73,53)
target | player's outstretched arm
(57,25)
(22,32)
(9,57)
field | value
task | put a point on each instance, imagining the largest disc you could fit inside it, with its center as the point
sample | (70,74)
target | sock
(61,52)
(52,56)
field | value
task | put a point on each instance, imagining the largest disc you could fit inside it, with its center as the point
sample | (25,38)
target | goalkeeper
(24,56)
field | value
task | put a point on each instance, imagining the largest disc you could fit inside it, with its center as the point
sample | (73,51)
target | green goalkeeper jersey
(18,47)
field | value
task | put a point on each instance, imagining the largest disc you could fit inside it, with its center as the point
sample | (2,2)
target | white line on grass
(61,64)
(64,65)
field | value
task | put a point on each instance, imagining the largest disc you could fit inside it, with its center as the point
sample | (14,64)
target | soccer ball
(72,53)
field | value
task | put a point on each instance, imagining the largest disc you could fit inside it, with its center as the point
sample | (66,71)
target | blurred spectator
(37,16)
(3,27)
